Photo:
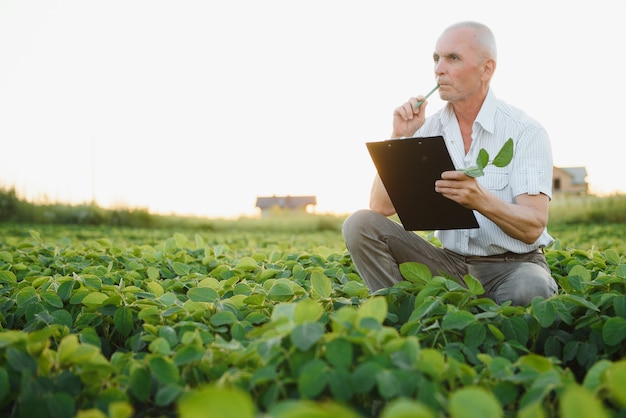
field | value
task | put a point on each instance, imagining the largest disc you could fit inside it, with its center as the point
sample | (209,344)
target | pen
(418,104)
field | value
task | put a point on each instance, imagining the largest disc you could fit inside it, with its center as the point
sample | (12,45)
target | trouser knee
(356,224)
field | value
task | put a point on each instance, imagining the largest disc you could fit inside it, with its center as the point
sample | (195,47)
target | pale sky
(197,107)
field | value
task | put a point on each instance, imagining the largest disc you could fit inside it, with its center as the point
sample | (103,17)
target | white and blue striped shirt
(530,171)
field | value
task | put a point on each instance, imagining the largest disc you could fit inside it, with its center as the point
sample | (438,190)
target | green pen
(418,104)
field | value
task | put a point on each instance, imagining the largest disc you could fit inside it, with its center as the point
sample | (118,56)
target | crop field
(270,322)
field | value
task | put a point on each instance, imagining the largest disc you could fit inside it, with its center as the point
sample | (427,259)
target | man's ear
(489,67)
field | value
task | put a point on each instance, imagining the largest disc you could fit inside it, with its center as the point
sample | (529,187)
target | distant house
(272,204)
(570,180)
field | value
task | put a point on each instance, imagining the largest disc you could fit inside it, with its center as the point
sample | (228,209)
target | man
(511,203)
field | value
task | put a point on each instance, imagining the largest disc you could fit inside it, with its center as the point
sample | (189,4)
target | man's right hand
(407,118)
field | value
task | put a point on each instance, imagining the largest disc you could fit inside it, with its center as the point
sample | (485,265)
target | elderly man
(511,204)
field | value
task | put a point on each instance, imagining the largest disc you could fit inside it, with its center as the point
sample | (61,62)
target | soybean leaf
(615,377)
(213,401)
(339,353)
(7,277)
(164,370)
(483,158)
(388,383)
(140,383)
(474,172)
(503,158)
(474,402)
(415,272)
(577,401)
(123,321)
(313,378)
(505,155)
(375,308)
(321,284)
(457,320)
(473,285)
(305,336)
(614,331)
(544,311)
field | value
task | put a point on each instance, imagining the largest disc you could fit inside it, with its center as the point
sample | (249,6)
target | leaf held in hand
(505,155)
(474,171)
(483,158)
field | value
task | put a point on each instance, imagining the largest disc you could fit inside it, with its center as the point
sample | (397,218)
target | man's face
(458,65)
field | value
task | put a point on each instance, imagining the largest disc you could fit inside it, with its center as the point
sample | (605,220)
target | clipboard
(408,169)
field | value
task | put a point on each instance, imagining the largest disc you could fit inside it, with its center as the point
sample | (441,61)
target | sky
(198,107)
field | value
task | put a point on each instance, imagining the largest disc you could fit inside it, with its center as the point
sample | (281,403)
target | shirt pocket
(496,181)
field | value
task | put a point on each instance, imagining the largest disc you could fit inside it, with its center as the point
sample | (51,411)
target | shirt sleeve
(532,163)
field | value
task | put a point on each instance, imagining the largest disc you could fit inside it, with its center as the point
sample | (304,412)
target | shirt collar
(485,118)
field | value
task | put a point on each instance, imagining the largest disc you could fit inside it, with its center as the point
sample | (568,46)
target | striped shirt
(530,171)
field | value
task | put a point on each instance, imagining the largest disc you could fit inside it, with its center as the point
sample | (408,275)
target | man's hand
(525,219)
(461,188)
(407,119)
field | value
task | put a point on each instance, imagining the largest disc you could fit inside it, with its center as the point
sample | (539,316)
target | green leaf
(65,290)
(313,378)
(60,405)
(364,376)
(181,269)
(202,294)
(123,321)
(474,402)
(6,257)
(164,370)
(307,310)
(415,272)
(167,394)
(340,384)
(304,336)
(457,320)
(20,360)
(321,285)
(247,263)
(7,277)
(94,299)
(140,383)
(26,297)
(544,311)
(407,408)
(474,171)
(153,273)
(614,331)
(615,377)
(339,353)
(505,155)
(482,159)
(188,354)
(375,308)
(52,299)
(595,375)
(5,387)
(577,401)
(474,286)
(223,318)
(577,300)
(213,401)
(432,363)
(281,292)
(388,384)
(503,158)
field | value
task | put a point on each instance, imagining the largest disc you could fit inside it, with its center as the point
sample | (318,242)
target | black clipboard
(408,169)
